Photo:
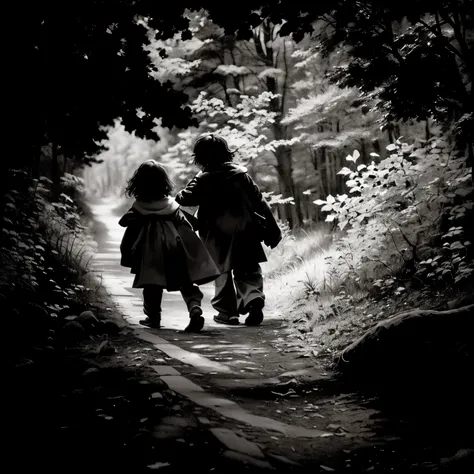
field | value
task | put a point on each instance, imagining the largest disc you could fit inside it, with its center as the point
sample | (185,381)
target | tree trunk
(339,178)
(284,160)
(390,136)
(427,129)
(283,154)
(320,167)
(284,169)
(327,168)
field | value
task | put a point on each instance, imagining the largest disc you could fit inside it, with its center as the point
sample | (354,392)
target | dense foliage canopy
(91,68)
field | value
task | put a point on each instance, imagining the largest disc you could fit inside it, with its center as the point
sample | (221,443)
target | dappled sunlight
(230,349)
(293,252)
(123,152)
(305,276)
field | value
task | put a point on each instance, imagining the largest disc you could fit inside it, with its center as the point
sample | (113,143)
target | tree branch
(258,58)
(443,38)
(461,39)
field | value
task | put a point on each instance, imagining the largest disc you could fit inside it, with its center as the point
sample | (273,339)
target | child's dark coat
(218,194)
(161,248)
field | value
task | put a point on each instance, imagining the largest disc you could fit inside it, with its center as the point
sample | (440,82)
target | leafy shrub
(406,218)
(44,248)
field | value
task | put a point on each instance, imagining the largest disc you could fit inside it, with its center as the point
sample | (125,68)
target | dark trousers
(236,289)
(153,294)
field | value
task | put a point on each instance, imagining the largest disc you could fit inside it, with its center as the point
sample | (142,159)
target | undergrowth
(403,227)
(45,250)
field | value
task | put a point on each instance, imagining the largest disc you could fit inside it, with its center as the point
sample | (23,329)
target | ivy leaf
(319,202)
(66,197)
(344,171)
(456,246)
(343,224)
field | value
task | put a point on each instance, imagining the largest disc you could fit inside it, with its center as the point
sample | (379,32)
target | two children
(161,248)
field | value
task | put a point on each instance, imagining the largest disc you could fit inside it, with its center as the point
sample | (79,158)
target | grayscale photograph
(239,238)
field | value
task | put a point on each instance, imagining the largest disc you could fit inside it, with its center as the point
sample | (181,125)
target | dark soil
(75,408)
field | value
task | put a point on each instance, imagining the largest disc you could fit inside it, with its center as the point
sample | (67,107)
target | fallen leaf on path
(158,465)
(288,382)
(335,427)
(290,392)
(105,348)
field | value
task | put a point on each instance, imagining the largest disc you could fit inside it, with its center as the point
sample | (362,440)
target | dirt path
(272,405)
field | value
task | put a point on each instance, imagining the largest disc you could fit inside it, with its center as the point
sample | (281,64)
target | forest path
(257,381)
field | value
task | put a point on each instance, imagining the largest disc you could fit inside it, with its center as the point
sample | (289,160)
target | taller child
(230,217)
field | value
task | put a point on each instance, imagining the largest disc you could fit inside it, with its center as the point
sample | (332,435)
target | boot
(255,316)
(151,322)
(226,319)
(196,321)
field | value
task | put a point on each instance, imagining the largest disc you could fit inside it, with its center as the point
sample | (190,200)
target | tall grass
(298,268)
